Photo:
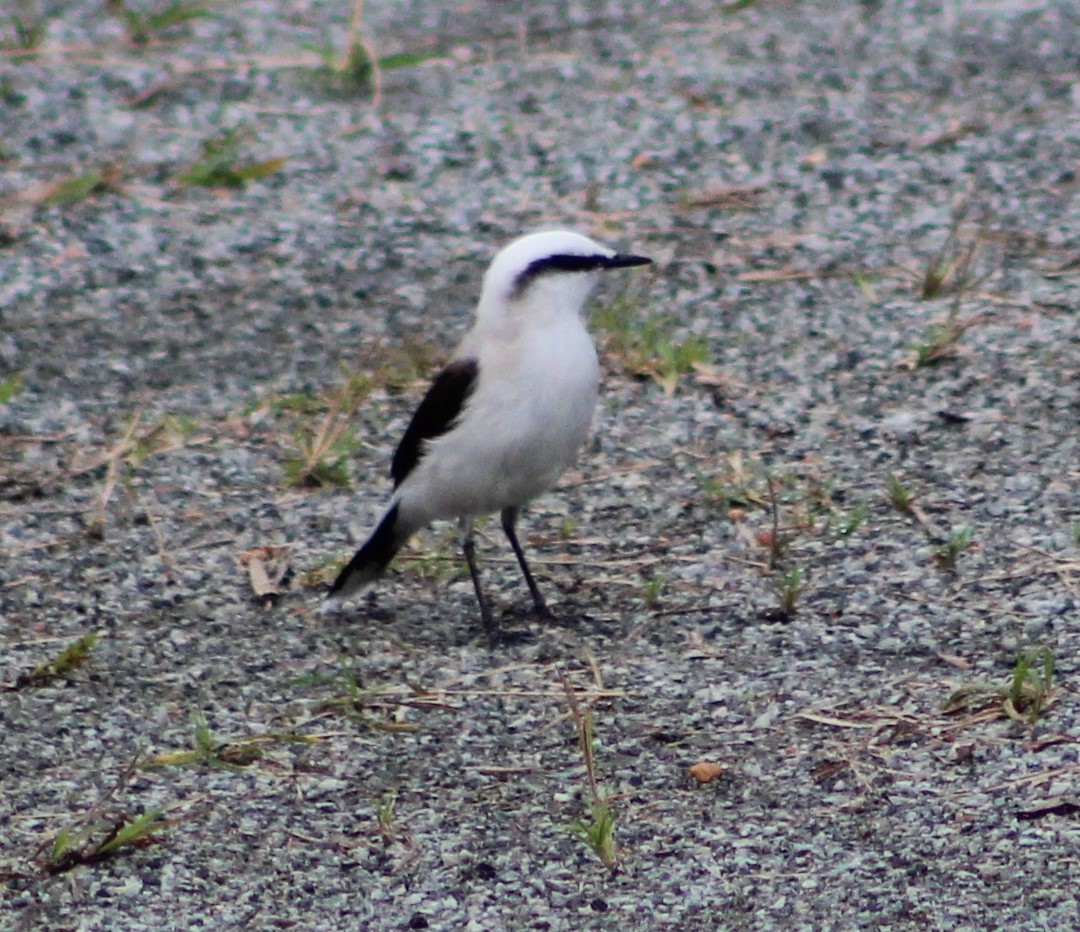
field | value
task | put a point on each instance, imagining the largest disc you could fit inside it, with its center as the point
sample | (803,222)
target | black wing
(436,414)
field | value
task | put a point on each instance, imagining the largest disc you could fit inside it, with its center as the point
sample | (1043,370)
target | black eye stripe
(563,263)
(566,262)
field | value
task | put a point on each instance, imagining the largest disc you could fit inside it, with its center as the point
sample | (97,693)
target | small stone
(706,771)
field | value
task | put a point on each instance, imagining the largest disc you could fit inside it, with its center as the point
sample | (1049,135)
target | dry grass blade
(96,526)
(235,754)
(834,721)
(954,131)
(953,269)
(583,724)
(320,457)
(777,541)
(1029,692)
(727,197)
(598,832)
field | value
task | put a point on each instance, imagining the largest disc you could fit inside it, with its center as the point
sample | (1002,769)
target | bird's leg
(509,519)
(468,545)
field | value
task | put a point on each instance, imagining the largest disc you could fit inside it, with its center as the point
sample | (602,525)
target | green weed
(10,387)
(866,286)
(235,755)
(938,341)
(385,813)
(946,555)
(322,442)
(322,574)
(404,60)
(223,165)
(22,31)
(358,67)
(735,483)
(899,496)
(206,750)
(349,72)
(1031,685)
(598,832)
(952,270)
(77,188)
(850,521)
(71,658)
(128,454)
(170,432)
(437,562)
(649,346)
(144,26)
(789,586)
(1023,698)
(320,464)
(352,700)
(399,368)
(653,588)
(95,841)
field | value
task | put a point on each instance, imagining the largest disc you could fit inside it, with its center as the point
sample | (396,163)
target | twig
(774,508)
(112,472)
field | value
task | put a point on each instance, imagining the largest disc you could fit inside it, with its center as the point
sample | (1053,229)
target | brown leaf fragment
(267,568)
(706,771)
(260,579)
(961,753)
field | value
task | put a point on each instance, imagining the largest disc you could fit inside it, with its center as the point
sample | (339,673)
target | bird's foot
(543,613)
(501,638)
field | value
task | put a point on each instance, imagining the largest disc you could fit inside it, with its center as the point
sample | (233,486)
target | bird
(508,413)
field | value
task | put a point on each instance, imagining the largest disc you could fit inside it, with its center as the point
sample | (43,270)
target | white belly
(523,426)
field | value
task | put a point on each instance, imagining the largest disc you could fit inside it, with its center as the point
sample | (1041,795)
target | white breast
(525,423)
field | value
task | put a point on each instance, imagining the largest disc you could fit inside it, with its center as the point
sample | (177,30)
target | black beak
(624,261)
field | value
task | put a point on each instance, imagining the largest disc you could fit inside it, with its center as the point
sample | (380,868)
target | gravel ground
(732,581)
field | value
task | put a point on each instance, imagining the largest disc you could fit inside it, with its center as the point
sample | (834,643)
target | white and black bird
(507,415)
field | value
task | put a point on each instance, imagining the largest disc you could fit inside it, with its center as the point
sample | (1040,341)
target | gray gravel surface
(794,169)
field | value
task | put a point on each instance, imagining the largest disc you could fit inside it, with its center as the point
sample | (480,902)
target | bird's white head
(552,272)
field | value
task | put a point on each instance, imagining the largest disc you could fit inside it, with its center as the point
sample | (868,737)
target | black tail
(371,559)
